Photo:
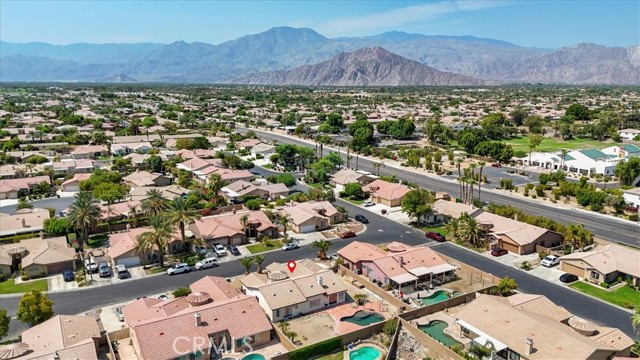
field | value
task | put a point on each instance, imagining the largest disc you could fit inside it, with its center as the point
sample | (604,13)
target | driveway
(57,283)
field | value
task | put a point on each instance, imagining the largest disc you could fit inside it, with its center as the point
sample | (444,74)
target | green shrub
(525,266)
(604,285)
(542,254)
(321,348)
(183,291)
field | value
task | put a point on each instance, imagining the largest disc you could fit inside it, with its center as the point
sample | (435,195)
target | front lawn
(10,286)
(354,201)
(438,229)
(624,296)
(553,144)
(97,241)
(316,185)
(264,246)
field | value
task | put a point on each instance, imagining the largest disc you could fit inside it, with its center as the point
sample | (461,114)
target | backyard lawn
(264,246)
(336,356)
(553,144)
(620,296)
(10,286)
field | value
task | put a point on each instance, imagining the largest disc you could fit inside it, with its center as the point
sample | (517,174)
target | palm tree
(472,180)
(458,164)
(285,220)
(244,220)
(155,204)
(577,236)
(361,299)
(158,237)
(258,260)
(109,210)
(563,155)
(84,214)
(481,164)
(181,214)
(247,262)
(133,213)
(453,227)
(471,232)
(635,320)
(323,247)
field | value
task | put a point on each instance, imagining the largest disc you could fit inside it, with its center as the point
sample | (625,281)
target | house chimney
(128,227)
(24,223)
(401,260)
(529,348)
(198,319)
(320,281)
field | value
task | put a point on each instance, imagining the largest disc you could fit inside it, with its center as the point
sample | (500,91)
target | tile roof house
(311,216)
(168,192)
(203,169)
(122,247)
(227,229)
(386,193)
(604,264)
(261,189)
(73,166)
(63,337)
(25,221)
(41,257)
(347,176)
(356,252)
(11,188)
(215,317)
(128,148)
(517,331)
(140,178)
(73,184)
(89,151)
(283,294)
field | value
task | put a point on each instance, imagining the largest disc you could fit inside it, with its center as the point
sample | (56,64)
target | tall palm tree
(458,164)
(247,262)
(481,164)
(285,220)
(133,214)
(471,232)
(453,227)
(244,220)
(84,214)
(563,156)
(155,204)
(323,247)
(635,320)
(181,214)
(158,237)
(472,181)
(214,185)
(258,260)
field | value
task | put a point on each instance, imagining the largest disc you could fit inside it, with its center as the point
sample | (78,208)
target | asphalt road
(603,227)
(380,230)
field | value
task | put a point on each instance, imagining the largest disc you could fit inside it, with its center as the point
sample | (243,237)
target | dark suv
(436,236)
(361,219)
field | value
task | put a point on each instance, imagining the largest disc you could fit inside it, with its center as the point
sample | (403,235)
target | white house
(632,197)
(284,294)
(629,134)
(585,162)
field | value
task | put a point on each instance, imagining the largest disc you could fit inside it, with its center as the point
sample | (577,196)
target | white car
(290,246)
(90,265)
(368,203)
(220,250)
(550,261)
(163,297)
(206,263)
(179,269)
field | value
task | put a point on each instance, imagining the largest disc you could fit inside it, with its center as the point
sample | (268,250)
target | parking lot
(495,174)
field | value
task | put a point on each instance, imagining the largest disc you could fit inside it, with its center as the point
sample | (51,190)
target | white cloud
(402,16)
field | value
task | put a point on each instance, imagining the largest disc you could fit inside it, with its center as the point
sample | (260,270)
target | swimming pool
(363,318)
(435,329)
(438,296)
(365,353)
(253,357)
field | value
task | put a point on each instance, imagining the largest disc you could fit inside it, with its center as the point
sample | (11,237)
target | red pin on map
(291,265)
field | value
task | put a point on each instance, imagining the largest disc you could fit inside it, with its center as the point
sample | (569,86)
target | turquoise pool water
(363,318)
(438,296)
(435,329)
(253,357)
(364,353)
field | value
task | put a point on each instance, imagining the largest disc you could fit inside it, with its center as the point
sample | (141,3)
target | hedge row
(321,348)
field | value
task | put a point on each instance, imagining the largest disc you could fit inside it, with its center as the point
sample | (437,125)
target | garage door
(130,261)
(510,247)
(70,188)
(571,269)
(308,228)
(59,267)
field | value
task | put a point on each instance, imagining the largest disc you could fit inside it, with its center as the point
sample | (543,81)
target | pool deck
(447,317)
(340,311)
(268,351)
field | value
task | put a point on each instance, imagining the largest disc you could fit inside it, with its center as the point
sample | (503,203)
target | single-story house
(263,149)
(247,144)
(356,252)
(128,148)
(24,222)
(39,257)
(13,188)
(386,193)
(604,264)
(73,184)
(228,229)
(89,151)
(284,294)
(122,247)
(168,192)
(444,210)
(64,337)
(140,178)
(261,189)
(348,176)
(311,216)
(632,197)
(74,166)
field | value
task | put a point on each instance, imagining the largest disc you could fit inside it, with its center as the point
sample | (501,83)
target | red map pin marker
(291,265)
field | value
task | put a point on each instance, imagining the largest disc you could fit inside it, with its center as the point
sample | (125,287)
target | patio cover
(483,338)
(403,278)
(442,268)
(419,271)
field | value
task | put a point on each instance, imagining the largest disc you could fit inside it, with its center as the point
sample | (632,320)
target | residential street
(603,227)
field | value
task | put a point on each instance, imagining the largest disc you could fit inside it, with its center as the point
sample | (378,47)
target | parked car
(361,218)
(368,203)
(68,275)
(163,297)
(122,272)
(179,269)
(333,256)
(496,165)
(550,261)
(499,252)
(347,235)
(206,263)
(436,236)
(219,250)
(568,278)
(290,246)
(198,250)
(104,269)
(233,250)
(119,314)
(90,265)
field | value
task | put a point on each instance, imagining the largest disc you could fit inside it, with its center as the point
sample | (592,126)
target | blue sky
(527,23)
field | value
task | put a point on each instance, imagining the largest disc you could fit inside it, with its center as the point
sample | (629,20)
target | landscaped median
(623,296)
(10,286)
